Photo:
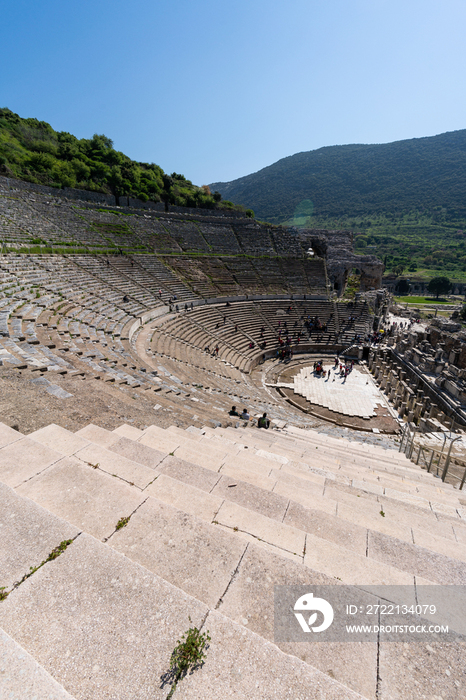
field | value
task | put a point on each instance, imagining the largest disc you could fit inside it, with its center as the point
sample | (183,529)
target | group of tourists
(262,422)
(342,369)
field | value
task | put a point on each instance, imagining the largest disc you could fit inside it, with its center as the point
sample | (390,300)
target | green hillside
(405,201)
(32,150)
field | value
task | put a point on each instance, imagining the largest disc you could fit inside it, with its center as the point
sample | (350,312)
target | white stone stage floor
(357,396)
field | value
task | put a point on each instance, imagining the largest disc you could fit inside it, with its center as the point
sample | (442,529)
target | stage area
(356,396)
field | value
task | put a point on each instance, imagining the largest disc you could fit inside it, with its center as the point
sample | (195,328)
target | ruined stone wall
(8,183)
(337,248)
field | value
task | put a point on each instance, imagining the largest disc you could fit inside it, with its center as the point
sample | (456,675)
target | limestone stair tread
(346,466)
(91,585)
(328,453)
(308,438)
(248,465)
(23,677)
(252,511)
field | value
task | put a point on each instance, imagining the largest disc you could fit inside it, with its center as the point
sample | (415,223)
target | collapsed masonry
(337,249)
(423,373)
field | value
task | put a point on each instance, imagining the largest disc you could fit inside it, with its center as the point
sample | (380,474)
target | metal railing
(431,458)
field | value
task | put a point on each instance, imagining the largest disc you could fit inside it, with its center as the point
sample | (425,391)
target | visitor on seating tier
(263,421)
(233,412)
(245,415)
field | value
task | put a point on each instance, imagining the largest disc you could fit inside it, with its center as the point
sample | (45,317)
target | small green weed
(53,555)
(382,514)
(187,656)
(3,593)
(122,522)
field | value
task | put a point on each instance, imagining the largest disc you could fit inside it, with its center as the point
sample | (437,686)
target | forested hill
(358,180)
(32,150)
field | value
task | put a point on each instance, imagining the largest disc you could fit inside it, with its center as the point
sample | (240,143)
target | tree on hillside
(439,285)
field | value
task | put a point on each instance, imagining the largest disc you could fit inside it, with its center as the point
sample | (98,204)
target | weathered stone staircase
(217,517)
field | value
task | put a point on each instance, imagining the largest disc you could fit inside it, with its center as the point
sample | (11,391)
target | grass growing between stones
(187,656)
(122,522)
(32,569)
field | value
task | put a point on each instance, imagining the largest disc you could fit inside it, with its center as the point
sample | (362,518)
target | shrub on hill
(32,150)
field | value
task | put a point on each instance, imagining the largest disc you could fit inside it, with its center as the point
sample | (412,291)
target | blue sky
(218,90)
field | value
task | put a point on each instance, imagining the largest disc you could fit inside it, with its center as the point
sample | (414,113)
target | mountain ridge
(358,179)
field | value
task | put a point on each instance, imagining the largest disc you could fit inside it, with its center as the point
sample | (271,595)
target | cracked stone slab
(441,545)
(373,520)
(240,664)
(416,560)
(327,527)
(249,601)
(111,625)
(137,452)
(89,498)
(28,534)
(348,567)
(185,497)
(23,459)
(189,473)
(251,497)
(182,549)
(262,528)
(306,494)
(160,439)
(22,677)
(116,465)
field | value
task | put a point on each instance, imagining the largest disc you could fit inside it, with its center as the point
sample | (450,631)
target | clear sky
(217,90)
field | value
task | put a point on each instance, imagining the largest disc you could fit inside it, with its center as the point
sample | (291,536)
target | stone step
(314,517)
(333,446)
(311,519)
(23,677)
(326,459)
(167,542)
(345,465)
(101,600)
(256,470)
(28,533)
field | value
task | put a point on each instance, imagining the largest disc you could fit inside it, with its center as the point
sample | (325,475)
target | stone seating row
(92,586)
(234,327)
(261,525)
(58,221)
(18,215)
(168,281)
